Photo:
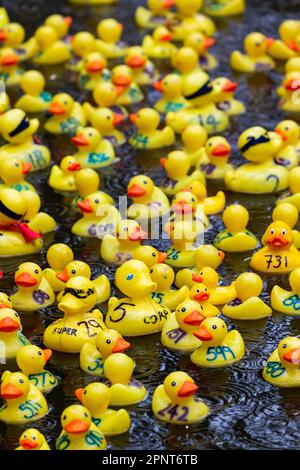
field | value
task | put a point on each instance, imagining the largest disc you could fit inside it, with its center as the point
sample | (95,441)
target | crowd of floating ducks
(178,292)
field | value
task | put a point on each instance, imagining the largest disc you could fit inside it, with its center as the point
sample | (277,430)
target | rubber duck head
(278,236)
(31,439)
(256,44)
(111,342)
(32,82)
(163,275)
(185,59)
(291,84)
(292,65)
(135,58)
(83,43)
(257,144)
(248,285)
(194,137)
(181,234)
(177,164)
(288,31)
(198,90)
(159,6)
(87,139)
(105,94)
(16,127)
(161,34)
(12,170)
(106,120)
(28,275)
(12,35)
(5,301)
(218,150)
(95,205)
(289,132)
(149,255)
(289,352)
(110,30)
(200,293)
(129,231)
(208,276)
(45,37)
(87,181)
(14,386)
(188,315)
(8,60)
(235,218)
(13,206)
(140,187)
(118,368)
(198,190)
(294,180)
(224,88)
(76,420)
(69,165)
(294,279)
(95,397)
(212,331)
(61,24)
(179,387)
(74,268)
(61,105)
(146,120)
(170,86)
(79,296)
(10,322)
(134,280)
(287,213)
(31,359)
(200,43)
(94,63)
(59,255)
(122,78)
(184,203)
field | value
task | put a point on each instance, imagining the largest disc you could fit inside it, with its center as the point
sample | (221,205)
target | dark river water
(246,412)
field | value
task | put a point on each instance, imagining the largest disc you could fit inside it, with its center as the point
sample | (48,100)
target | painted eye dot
(183,309)
(284,346)
(214,327)
(84,392)
(36,271)
(17,165)
(40,353)
(34,438)
(21,381)
(144,182)
(64,417)
(283,232)
(205,289)
(86,415)
(151,271)
(272,231)
(173,384)
(108,341)
(129,277)
(17,315)
(154,255)
(73,271)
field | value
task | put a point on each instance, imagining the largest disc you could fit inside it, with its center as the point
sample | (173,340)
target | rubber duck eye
(40,353)
(154,255)
(284,346)
(73,271)
(96,201)
(108,341)
(173,384)
(36,271)
(183,309)
(210,144)
(84,392)
(17,315)
(64,417)
(272,231)
(144,182)
(90,134)
(21,381)
(205,289)
(151,271)
(34,438)
(129,277)
(17,165)
(125,229)
(86,415)
(283,232)
(108,118)
(214,327)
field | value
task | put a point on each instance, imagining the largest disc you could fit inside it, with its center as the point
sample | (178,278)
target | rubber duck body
(32,439)
(109,43)
(31,361)
(224,90)
(188,19)
(182,252)
(143,70)
(157,13)
(282,368)
(214,294)
(79,325)
(285,47)
(58,256)
(93,71)
(93,151)
(219,348)
(35,98)
(288,213)
(12,340)
(220,8)
(164,276)
(137,314)
(159,46)
(24,402)
(147,136)
(149,201)
(51,50)
(213,204)
(174,402)
(83,43)
(285,301)
(256,58)
(193,138)
(105,121)
(10,72)
(172,100)
(78,431)
(67,115)
(129,92)
(200,43)
(18,131)
(279,255)
(294,185)
(13,172)
(62,178)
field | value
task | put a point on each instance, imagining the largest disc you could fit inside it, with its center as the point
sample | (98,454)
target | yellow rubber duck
(24,402)
(282,367)
(149,201)
(93,356)
(288,213)
(93,151)
(186,63)
(143,70)
(247,305)
(220,8)
(106,96)
(78,431)
(262,175)
(219,348)
(213,161)
(159,45)
(201,294)
(33,290)
(13,172)
(105,121)
(137,314)
(193,138)
(279,254)
(158,12)
(177,166)
(147,136)
(177,332)
(10,72)
(79,324)
(12,340)
(149,255)
(40,222)
(188,19)
(285,301)
(235,238)
(290,134)
(224,90)
(67,115)
(51,50)
(80,268)
(109,43)
(172,99)
(294,186)
(83,43)
(124,390)
(18,131)
(93,71)
(201,43)
(208,278)
(288,92)
(292,65)
(182,252)
(35,99)
(163,275)
(256,58)
(12,36)
(96,398)
(62,178)
(5,301)
(174,402)
(58,257)
(128,91)
(213,204)
(87,182)
(285,47)
(32,439)
(61,24)
(185,207)
(31,361)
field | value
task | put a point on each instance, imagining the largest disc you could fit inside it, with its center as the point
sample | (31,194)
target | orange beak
(85,206)
(161,257)
(121,345)
(201,296)
(136,191)
(203,334)
(269,42)
(4,306)
(117,118)
(181,207)
(79,394)
(282,134)
(136,61)
(28,444)
(47,354)
(133,118)
(197,277)
(122,81)
(159,86)
(163,161)
(80,140)
(26,167)
(137,235)
(75,166)
(293,46)
(9,391)
(63,276)
(76,426)
(293,356)
(195,318)
(9,59)
(25,280)
(292,85)
(3,35)
(8,325)
(277,241)
(187,389)
(209,42)
(95,66)
(168,4)
(221,150)
(56,109)
(222,255)
(68,20)
(166,37)
(229,86)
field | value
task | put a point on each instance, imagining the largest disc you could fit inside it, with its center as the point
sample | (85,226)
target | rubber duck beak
(4,306)
(25,280)
(222,255)
(293,46)
(202,296)
(277,241)
(80,140)
(269,42)
(292,85)
(221,150)
(136,61)
(9,392)
(137,235)
(28,444)
(9,59)
(122,81)
(197,277)
(79,394)
(117,118)
(282,134)
(95,66)
(209,42)
(293,356)
(159,86)
(121,26)
(3,35)
(56,109)
(121,346)
(165,37)
(161,257)
(133,118)
(47,354)
(26,167)
(229,86)
(68,20)
(8,325)
(168,4)
(75,166)
(203,334)
(187,389)
(195,318)
(182,207)
(85,206)
(136,191)
(76,426)
(63,276)
(163,161)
